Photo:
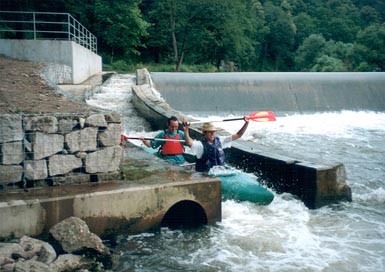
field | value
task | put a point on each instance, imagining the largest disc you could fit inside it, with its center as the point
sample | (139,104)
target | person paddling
(171,151)
(209,150)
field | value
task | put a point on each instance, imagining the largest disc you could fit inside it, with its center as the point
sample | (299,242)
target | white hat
(209,127)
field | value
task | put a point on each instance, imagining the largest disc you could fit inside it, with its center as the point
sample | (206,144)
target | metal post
(69,26)
(34,25)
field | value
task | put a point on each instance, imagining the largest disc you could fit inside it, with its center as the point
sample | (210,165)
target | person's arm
(187,139)
(242,130)
(145,142)
(152,143)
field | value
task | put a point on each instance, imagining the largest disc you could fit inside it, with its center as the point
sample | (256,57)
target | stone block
(104,160)
(113,117)
(66,125)
(62,164)
(96,120)
(10,173)
(11,128)
(110,136)
(35,170)
(72,178)
(11,152)
(47,124)
(82,140)
(44,145)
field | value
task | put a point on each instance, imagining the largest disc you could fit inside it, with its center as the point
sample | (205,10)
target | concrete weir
(149,196)
(315,184)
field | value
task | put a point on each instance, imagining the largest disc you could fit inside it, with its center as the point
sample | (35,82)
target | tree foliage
(244,35)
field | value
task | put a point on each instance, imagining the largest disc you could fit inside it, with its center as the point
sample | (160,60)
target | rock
(35,170)
(110,136)
(10,173)
(113,118)
(11,128)
(110,156)
(40,147)
(33,247)
(70,262)
(11,152)
(96,120)
(62,164)
(82,140)
(74,236)
(31,266)
(66,125)
(12,251)
(47,124)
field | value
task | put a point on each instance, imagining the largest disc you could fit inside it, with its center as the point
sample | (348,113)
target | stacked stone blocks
(50,149)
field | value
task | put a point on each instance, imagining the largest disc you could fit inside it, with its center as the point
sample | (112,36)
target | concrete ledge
(143,201)
(315,184)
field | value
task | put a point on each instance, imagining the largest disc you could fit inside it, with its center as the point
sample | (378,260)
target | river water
(285,235)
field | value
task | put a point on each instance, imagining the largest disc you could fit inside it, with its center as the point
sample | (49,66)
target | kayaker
(171,151)
(209,150)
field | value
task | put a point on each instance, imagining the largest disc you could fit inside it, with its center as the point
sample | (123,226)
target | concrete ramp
(298,92)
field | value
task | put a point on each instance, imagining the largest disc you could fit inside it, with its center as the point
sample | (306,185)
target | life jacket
(213,154)
(172,148)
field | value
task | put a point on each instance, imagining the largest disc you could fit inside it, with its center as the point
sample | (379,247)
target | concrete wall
(112,208)
(82,62)
(297,92)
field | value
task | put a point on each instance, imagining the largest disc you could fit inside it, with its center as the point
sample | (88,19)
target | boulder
(74,236)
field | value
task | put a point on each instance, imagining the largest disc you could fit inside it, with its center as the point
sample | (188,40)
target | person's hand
(185,124)
(142,138)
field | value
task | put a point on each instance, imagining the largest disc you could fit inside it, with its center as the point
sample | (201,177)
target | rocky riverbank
(72,247)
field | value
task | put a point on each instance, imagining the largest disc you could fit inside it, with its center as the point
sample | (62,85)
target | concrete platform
(152,194)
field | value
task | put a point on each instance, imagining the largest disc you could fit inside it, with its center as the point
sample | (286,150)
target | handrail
(45,26)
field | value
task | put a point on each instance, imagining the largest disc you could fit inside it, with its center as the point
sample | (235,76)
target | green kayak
(241,186)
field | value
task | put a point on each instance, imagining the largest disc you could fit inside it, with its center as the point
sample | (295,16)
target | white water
(285,235)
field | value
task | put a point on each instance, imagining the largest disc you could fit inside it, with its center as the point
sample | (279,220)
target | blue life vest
(213,154)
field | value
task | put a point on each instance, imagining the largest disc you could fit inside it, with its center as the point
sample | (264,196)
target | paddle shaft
(212,121)
(262,116)
(155,139)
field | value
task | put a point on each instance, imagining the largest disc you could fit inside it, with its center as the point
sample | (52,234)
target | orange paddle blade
(262,116)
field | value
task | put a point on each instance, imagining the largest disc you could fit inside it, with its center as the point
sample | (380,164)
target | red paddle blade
(262,116)
(123,137)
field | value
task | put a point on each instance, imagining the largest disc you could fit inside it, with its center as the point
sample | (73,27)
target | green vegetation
(230,35)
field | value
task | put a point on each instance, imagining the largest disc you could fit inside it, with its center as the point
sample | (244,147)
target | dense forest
(231,35)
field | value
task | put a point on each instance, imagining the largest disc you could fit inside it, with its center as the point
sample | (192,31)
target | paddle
(257,116)
(124,137)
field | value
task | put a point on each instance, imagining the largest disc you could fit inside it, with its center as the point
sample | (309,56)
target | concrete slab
(150,188)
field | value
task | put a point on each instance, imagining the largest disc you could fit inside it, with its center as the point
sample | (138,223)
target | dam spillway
(280,92)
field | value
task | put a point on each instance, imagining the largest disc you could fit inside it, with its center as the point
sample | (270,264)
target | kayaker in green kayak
(209,151)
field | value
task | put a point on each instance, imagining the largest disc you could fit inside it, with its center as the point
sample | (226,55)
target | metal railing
(45,26)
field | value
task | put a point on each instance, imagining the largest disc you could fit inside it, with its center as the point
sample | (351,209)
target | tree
(201,31)
(280,39)
(372,40)
(328,64)
(117,24)
(309,51)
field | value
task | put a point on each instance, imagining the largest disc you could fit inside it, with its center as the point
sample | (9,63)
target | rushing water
(285,235)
